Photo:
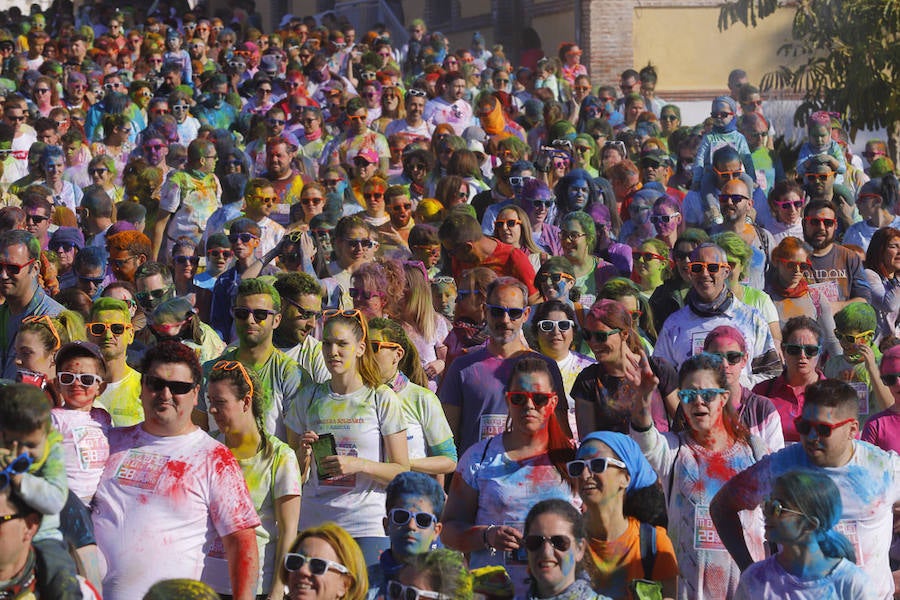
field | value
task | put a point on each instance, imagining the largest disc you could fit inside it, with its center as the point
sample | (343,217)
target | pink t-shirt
(883,430)
(161,503)
(85,445)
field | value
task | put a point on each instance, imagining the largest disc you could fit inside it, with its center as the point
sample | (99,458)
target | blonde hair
(418,311)
(348,554)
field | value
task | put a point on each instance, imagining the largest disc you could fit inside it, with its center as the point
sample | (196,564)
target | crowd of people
(309,313)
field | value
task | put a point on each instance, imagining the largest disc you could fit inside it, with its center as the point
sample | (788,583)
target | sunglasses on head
(158,384)
(242,313)
(548,325)
(711,268)
(83,379)
(733,357)
(294,561)
(99,329)
(539,399)
(575,468)
(823,430)
(497,312)
(707,395)
(401,516)
(599,336)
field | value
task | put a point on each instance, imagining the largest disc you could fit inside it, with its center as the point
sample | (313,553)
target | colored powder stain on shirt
(222,459)
(718,468)
(867,488)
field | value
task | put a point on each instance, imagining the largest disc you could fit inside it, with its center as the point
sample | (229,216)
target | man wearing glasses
(168,473)
(19,269)
(38,206)
(188,198)
(868,478)
(708,304)
(15,114)
(837,272)
(301,307)
(736,203)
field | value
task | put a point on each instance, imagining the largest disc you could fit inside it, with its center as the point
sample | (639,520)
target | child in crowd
(31,455)
(855,327)
(820,146)
(80,372)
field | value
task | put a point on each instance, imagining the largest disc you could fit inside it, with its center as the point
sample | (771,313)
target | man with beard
(450,107)
(111,329)
(301,308)
(818,182)
(735,204)
(413,127)
(257,313)
(708,304)
(473,389)
(285,179)
(866,476)
(176,319)
(394,235)
(837,272)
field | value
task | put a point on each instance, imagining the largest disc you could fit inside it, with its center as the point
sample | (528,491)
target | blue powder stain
(861,482)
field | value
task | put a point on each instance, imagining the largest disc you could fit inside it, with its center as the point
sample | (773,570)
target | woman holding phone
(363,418)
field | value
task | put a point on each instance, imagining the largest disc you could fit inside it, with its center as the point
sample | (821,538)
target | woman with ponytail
(236,401)
(500,478)
(364,419)
(431,446)
(814,560)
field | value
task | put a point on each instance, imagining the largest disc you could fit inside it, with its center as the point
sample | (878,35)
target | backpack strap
(764,240)
(672,472)
(648,548)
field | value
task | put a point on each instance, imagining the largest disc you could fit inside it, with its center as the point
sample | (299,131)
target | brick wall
(607,38)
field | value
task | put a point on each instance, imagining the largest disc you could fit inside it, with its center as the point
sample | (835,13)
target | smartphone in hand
(323,447)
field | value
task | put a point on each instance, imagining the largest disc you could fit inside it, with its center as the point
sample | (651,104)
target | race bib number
(141,469)
(862,396)
(697,339)
(851,531)
(491,425)
(217,549)
(827,290)
(705,535)
(91,447)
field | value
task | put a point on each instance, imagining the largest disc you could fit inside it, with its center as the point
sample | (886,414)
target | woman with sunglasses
(628,294)
(651,265)
(103,173)
(45,95)
(184,262)
(670,296)
(553,327)
(667,220)
(488,503)
(38,340)
(585,150)
(117,135)
(814,560)
(513,227)
(325,563)
(392,108)
(624,509)
(555,543)
(693,465)
(348,486)
(431,446)
(538,201)
(235,398)
(786,202)
(757,412)
(608,331)
(578,236)
(369,290)
(786,283)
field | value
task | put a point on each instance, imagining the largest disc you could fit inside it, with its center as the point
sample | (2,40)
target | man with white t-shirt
(868,478)
(413,127)
(169,490)
(450,107)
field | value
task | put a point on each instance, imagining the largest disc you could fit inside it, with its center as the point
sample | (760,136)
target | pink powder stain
(222,459)
(142,498)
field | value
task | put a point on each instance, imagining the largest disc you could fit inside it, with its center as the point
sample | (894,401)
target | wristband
(484,538)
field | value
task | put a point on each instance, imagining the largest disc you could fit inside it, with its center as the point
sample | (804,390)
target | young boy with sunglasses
(414,505)
(855,329)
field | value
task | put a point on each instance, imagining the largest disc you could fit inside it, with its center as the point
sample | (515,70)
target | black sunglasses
(242,313)
(497,312)
(158,384)
(809,350)
(533,543)
(733,357)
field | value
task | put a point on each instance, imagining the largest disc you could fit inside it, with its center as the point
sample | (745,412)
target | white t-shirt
(359,421)
(427,431)
(270,475)
(308,355)
(86,447)
(768,580)
(869,486)
(161,503)
(407,132)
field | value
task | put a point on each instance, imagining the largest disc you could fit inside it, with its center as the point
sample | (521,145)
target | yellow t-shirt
(122,400)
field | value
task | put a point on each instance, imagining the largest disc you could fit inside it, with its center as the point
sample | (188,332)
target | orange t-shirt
(617,562)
